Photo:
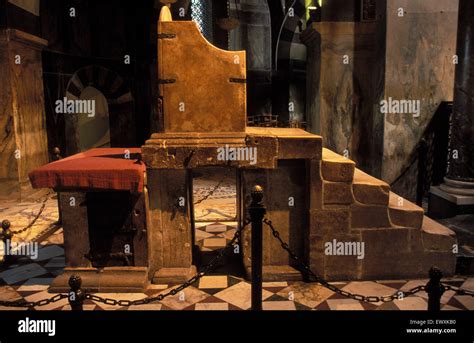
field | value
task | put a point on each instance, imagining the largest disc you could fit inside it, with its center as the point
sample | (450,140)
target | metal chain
(43,205)
(43,302)
(108,301)
(323,282)
(459,291)
(211,192)
(178,289)
(211,265)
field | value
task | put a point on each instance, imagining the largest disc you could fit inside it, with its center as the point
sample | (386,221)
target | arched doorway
(94,130)
(113,124)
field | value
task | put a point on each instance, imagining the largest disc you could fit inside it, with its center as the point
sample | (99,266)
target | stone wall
(22,119)
(418,66)
(286,202)
(8,165)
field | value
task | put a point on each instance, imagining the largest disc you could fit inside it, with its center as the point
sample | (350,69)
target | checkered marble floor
(214,236)
(20,214)
(30,280)
(221,204)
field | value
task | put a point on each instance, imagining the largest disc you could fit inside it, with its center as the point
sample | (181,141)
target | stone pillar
(76,228)
(456,194)
(22,114)
(462,125)
(335,89)
(312,39)
(288,180)
(170,238)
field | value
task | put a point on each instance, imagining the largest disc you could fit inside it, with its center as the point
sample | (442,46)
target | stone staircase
(395,232)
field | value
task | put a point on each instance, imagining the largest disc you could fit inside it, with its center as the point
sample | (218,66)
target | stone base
(457,187)
(174,275)
(107,280)
(445,205)
(277,273)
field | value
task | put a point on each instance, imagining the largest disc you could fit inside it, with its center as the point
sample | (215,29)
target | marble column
(461,166)
(312,39)
(456,194)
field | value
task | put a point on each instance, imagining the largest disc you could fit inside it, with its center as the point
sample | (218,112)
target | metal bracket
(237,80)
(166,36)
(166,81)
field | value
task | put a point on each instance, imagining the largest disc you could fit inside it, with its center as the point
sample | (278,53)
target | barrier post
(7,236)
(257,212)
(435,289)
(76,294)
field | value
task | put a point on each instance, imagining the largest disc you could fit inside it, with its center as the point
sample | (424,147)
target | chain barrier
(30,304)
(36,217)
(114,302)
(457,290)
(210,266)
(360,297)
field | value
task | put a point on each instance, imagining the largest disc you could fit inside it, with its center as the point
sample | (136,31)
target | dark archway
(120,106)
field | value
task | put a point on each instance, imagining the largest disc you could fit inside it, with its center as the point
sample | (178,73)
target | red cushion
(102,168)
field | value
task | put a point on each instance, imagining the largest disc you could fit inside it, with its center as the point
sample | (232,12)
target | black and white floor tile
(214,236)
(30,280)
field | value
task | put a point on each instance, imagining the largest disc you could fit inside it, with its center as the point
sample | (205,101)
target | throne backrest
(202,87)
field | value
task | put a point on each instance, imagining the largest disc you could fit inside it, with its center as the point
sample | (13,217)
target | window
(201,13)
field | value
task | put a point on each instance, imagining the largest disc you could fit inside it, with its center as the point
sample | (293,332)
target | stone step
(369,216)
(336,168)
(437,237)
(105,280)
(337,193)
(404,213)
(369,190)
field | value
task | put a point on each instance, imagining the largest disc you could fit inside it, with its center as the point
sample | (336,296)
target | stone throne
(313,196)
(203,95)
